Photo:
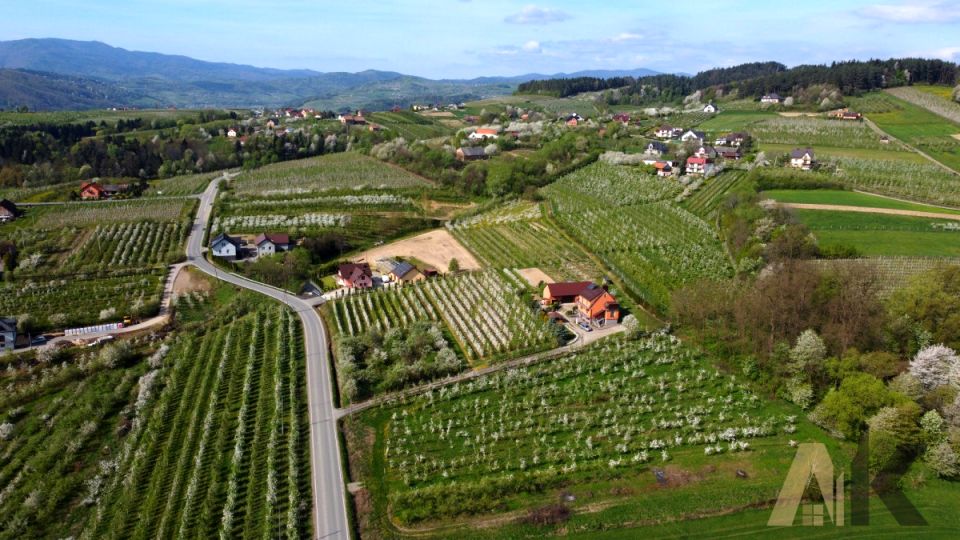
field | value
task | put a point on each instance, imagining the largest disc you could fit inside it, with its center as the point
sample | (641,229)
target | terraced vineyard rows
(220,451)
(485,311)
(704,201)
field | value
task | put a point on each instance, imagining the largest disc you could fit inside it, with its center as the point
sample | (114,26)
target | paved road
(329,497)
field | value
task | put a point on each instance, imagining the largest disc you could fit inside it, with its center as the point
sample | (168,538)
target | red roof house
(91,190)
(355,276)
(563,293)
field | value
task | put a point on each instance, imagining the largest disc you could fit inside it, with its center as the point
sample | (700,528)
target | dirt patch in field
(956,136)
(438,114)
(436,248)
(797,114)
(188,281)
(535,276)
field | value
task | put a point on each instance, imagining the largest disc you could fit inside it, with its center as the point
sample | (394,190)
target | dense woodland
(755,79)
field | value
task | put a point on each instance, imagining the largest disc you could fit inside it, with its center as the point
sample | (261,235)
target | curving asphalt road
(329,497)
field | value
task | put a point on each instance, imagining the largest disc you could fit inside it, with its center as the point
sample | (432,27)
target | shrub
(936,366)
(943,460)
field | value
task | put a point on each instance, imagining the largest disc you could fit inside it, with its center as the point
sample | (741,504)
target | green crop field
(817,132)
(884,235)
(881,154)
(893,272)
(593,426)
(179,185)
(922,129)
(735,120)
(413,126)
(344,170)
(850,198)
(705,201)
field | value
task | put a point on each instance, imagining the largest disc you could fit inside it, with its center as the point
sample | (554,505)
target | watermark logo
(812,472)
(812,463)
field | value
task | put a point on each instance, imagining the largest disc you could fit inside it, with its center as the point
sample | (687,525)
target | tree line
(756,79)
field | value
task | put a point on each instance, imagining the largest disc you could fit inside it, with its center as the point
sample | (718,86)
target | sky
(470,38)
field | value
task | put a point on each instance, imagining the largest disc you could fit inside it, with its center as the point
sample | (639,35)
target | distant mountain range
(54,74)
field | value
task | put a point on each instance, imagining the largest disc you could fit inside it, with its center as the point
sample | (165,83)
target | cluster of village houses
(235,248)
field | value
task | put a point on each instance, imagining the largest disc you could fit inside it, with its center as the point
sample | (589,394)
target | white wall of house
(224,249)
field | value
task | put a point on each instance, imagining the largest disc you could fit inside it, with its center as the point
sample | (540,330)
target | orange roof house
(596,303)
(563,293)
(91,190)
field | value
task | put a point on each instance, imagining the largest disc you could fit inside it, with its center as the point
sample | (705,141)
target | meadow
(588,430)
(920,128)
(851,198)
(884,235)
(705,201)
(345,170)
(413,126)
(179,186)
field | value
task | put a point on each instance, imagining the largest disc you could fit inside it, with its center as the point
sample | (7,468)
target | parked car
(586,327)
(39,340)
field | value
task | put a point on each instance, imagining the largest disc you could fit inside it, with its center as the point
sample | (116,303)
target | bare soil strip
(867,210)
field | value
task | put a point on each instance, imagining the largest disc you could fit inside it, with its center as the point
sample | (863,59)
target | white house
(771,98)
(268,244)
(668,132)
(657,148)
(802,158)
(485,133)
(693,135)
(710,108)
(232,133)
(225,246)
(8,334)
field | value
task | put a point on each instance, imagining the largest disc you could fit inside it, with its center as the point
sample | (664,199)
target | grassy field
(705,201)
(588,430)
(921,128)
(851,198)
(334,171)
(735,120)
(882,154)
(883,235)
(179,185)
(413,126)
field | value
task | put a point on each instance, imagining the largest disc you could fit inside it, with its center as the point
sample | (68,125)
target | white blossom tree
(808,351)
(935,366)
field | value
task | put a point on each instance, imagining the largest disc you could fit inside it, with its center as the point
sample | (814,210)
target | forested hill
(758,78)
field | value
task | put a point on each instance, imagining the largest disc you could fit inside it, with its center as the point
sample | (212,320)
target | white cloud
(915,12)
(951,54)
(536,15)
(627,36)
(531,46)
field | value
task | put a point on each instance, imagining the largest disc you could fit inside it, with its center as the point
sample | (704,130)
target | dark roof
(773,95)
(658,146)
(8,206)
(592,292)
(698,134)
(279,239)
(567,288)
(402,269)
(798,153)
(114,188)
(346,270)
(473,151)
(8,325)
(225,238)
